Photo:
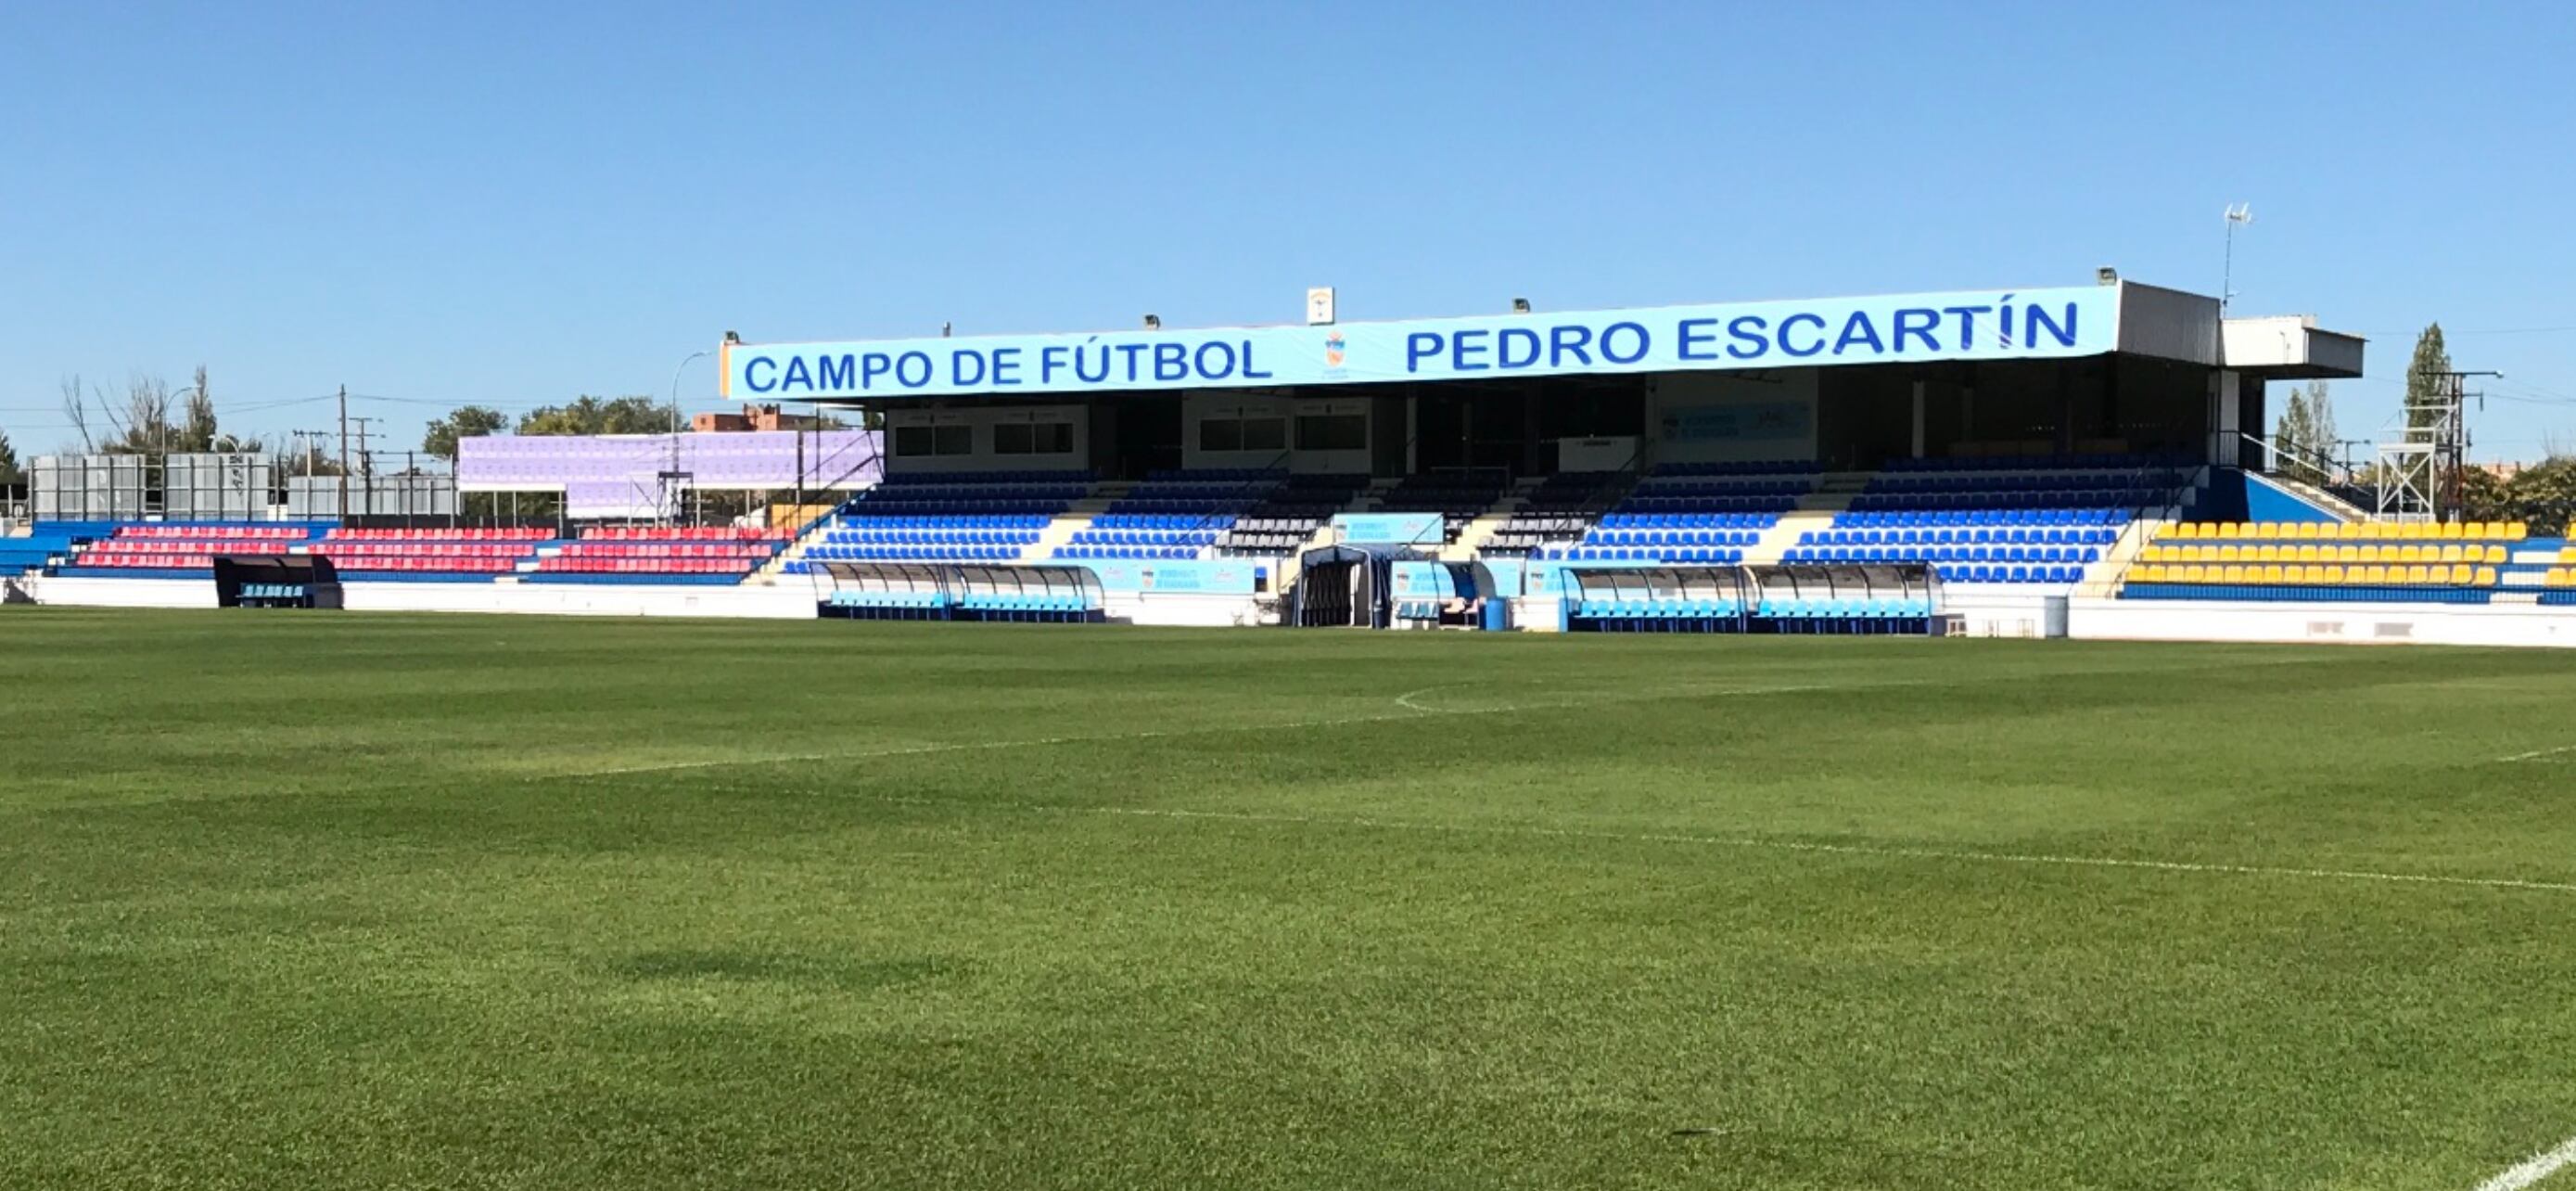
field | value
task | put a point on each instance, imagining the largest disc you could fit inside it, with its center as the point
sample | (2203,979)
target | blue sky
(511,204)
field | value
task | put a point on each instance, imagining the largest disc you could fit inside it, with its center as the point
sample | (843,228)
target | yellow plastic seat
(2272,573)
(2308,552)
(2462,573)
(2333,574)
(2497,554)
(2515,531)
(2313,575)
(2348,555)
(2417,574)
(2226,529)
(2485,577)
(2231,574)
(2307,531)
(2473,531)
(2450,553)
(2451,531)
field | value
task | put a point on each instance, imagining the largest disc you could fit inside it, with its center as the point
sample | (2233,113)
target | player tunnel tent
(276,581)
(1348,585)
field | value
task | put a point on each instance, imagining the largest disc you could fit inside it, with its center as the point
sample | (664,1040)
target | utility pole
(344,452)
(2451,434)
(366,461)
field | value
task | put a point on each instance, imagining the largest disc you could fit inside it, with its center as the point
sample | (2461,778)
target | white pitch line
(2533,1169)
(2537,754)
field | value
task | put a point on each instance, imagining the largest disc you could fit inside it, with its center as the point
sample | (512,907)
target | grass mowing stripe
(1892,851)
(1413,711)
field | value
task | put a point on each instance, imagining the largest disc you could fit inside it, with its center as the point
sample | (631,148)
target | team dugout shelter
(1848,384)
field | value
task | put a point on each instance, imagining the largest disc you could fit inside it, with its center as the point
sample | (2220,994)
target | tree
(469,421)
(2294,438)
(9,473)
(593,415)
(196,431)
(2425,384)
(145,429)
(76,408)
(2544,494)
(2321,421)
(2485,496)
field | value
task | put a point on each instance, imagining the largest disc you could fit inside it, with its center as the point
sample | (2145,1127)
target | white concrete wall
(1991,610)
(563,599)
(1986,614)
(1186,611)
(2360,624)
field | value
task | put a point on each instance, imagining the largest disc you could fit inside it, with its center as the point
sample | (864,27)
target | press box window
(1243,434)
(1332,432)
(1033,438)
(1265,434)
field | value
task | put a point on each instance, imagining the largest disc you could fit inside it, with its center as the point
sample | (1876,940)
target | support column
(1918,419)
(2226,412)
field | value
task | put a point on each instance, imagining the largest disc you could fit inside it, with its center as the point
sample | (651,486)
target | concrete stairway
(1075,518)
(2102,579)
(1815,513)
(1775,542)
(1476,533)
(2349,512)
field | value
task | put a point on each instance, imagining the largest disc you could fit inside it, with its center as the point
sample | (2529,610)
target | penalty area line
(2540,754)
(2533,1169)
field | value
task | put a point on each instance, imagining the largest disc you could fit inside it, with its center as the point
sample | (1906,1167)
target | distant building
(754,417)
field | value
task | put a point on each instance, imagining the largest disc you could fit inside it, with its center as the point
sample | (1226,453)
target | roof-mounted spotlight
(1520,306)
(1153,322)
(2106,275)
(733,337)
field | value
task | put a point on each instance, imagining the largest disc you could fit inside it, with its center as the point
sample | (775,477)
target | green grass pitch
(297,900)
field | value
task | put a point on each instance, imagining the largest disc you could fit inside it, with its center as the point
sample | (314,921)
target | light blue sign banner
(1986,325)
(1402,529)
(1423,581)
(1183,576)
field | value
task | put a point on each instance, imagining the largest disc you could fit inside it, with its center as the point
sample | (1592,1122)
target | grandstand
(2083,471)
